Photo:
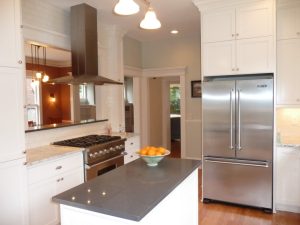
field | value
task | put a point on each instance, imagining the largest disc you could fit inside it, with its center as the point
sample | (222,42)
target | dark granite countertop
(130,191)
(60,125)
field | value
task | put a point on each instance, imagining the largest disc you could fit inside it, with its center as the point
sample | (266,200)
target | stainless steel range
(102,153)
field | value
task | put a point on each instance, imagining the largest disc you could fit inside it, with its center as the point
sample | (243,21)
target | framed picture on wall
(196,89)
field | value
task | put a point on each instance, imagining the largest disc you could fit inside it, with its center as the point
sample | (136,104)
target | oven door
(92,171)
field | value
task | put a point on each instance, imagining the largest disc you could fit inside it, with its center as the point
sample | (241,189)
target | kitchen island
(136,194)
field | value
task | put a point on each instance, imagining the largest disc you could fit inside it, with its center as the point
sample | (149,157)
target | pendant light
(150,22)
(126,7)
(35,59)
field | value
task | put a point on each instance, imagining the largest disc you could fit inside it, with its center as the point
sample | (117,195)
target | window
(83,91)
(174,99)
(32,106)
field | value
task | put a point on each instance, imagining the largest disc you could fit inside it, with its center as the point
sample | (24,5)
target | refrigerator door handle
(239,147)
(231,121)
(237,162)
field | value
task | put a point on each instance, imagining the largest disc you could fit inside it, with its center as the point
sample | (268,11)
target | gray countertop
(130,191)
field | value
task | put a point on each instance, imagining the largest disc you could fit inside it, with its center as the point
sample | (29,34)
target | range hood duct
(84,48)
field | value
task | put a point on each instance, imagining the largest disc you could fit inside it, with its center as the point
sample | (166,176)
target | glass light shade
(150,21)
(45,78)
(38,75)
(126,7)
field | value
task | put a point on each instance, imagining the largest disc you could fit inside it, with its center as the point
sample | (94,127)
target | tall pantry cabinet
(13,195)
(288,52)
(237,37)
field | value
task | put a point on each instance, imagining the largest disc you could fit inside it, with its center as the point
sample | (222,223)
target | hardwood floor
(225,214)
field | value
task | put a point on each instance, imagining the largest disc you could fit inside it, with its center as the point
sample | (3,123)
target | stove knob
(100,152)
(95,154)
(105,151)
(111,149)
(91,155)
(121,146)
(117,147)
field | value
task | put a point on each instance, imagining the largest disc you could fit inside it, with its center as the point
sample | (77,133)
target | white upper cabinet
(237,38)
(288,22)
(10,38)
(288,68)
(218,58)
(254,20)
(254,55)
(218,26)
(247,21)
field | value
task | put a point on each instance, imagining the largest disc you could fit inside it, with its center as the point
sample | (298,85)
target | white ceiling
(173,14)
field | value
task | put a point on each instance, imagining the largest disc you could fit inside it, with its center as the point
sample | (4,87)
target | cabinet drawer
(132,143)
(54,167)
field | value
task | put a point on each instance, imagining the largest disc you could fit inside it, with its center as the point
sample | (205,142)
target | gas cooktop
(87,141)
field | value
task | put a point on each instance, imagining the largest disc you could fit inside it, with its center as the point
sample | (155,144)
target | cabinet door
(218,26)
(69,180)
(13,193)
(10,39)
(218,58)
(132,145)
(42,211)
(255,55)
(12,138)
(288,22)
(288,67)
(254,20)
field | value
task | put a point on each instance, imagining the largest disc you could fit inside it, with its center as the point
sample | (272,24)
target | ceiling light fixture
(126,7)
(150,22)
(174,31)
(35,60)
(129,7)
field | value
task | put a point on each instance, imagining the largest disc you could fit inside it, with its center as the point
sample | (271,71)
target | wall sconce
(52,97)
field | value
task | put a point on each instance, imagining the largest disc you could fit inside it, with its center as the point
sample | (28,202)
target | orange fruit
(143,151)
(161,150)
(151,151)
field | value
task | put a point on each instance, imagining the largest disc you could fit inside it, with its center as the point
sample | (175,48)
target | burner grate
(87,141)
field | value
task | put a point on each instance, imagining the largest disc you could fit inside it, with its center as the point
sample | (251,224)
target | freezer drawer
(238,181)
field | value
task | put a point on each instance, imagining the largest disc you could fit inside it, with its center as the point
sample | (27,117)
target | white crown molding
(52,63)
(164,72)
(133,71)
(48,37)
(211,4)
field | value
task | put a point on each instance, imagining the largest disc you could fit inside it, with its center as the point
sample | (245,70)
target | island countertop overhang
(131,191)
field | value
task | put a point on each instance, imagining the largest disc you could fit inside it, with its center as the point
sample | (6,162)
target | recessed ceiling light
(174,31)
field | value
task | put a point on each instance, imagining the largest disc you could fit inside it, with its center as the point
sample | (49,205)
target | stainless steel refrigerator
(238,116)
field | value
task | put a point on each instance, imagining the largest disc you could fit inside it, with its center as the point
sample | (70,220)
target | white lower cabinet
(132,145)
(288,179)
(42,211)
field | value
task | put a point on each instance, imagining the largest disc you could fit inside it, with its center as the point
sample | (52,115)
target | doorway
(175,119)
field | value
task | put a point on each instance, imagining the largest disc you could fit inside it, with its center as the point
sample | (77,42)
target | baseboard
(287,208)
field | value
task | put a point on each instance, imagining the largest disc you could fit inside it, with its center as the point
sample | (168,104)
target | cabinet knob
(233,69)
(20,61)
(25,163)
(232,35)
(298,33)
(298,99)
(237,34)
(58,167)
(237,69)
(24,152)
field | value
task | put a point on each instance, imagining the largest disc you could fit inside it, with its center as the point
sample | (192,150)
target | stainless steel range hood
(84,48)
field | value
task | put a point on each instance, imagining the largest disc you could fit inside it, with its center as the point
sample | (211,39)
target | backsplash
(45,137)
(288,125)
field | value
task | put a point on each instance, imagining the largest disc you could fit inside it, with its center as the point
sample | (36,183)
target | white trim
(47,37)
(287,208)
(165,72)
(133,71)
(203,5)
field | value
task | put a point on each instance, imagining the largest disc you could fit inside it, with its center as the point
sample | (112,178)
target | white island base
(180,207)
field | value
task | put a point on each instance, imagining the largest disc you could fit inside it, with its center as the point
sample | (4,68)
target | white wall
(132,52)
(177,52)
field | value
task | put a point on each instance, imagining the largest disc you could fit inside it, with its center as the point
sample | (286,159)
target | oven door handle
(94,165)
